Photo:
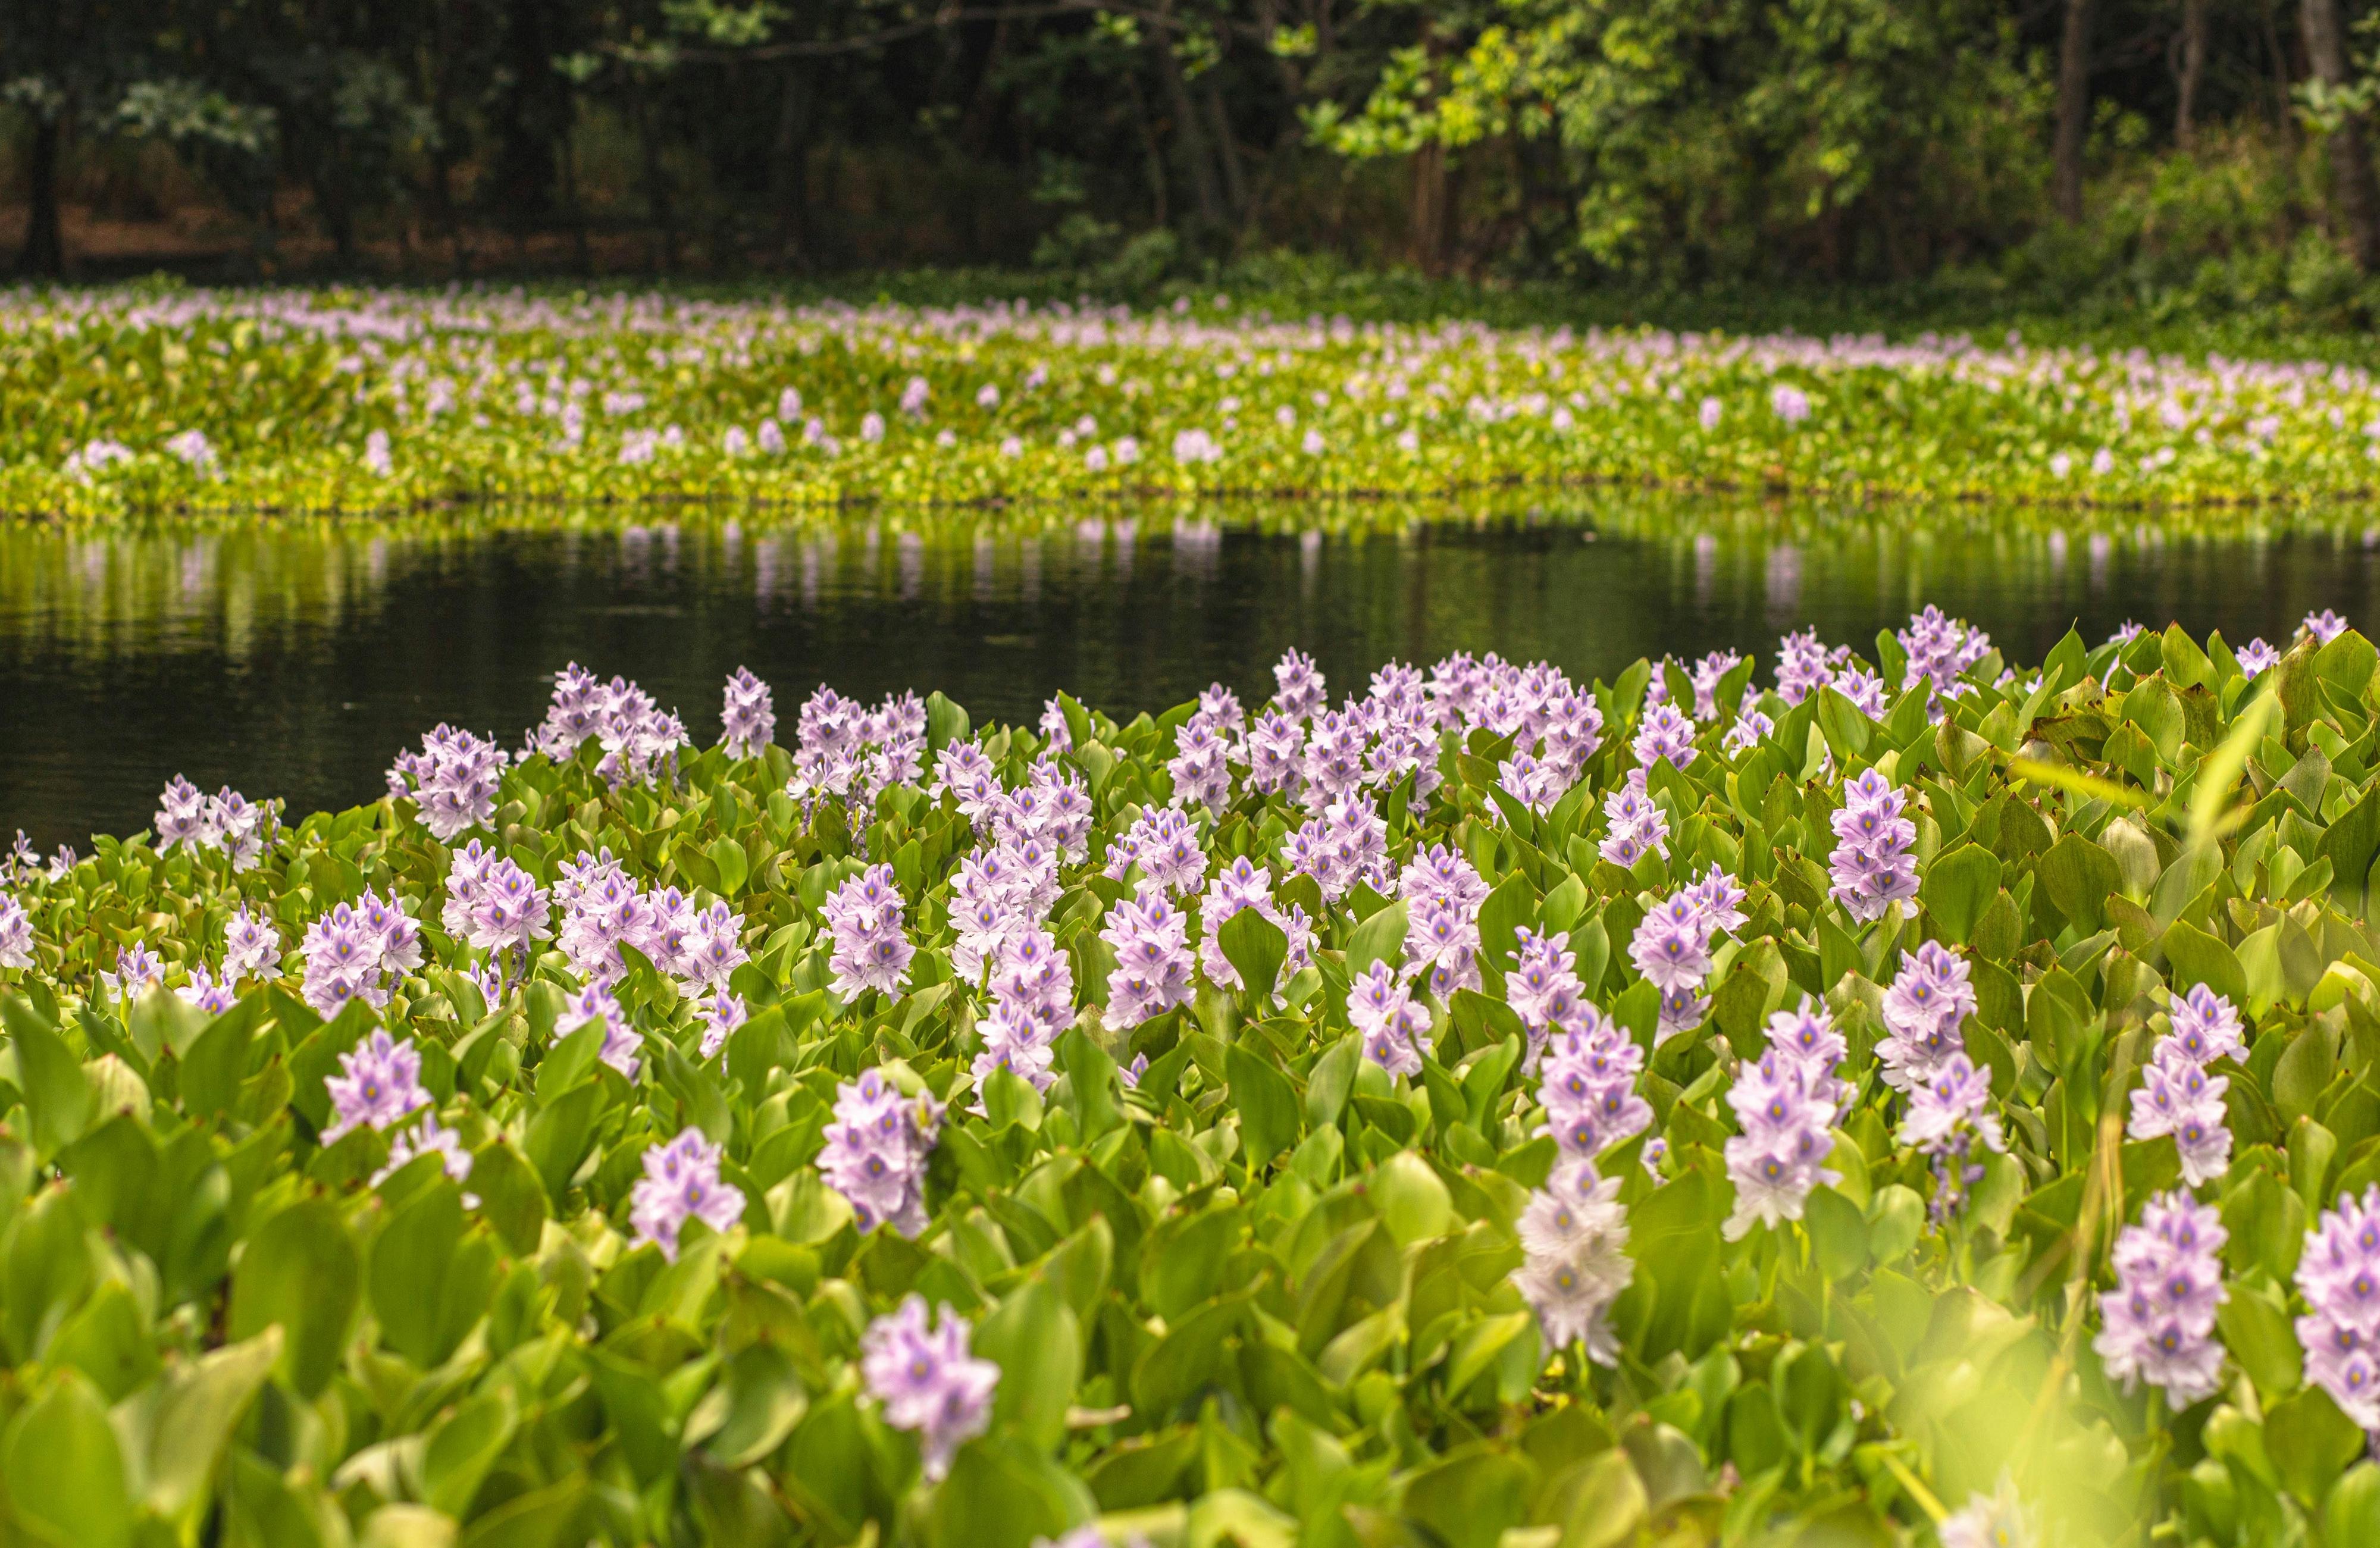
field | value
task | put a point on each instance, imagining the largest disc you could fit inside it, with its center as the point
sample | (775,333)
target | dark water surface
(296,660)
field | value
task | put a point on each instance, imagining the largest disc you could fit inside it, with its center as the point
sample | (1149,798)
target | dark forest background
(2164,159)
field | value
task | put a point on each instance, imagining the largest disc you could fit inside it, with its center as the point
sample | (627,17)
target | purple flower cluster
(2178,1097)
(1348,843)
(748,717)
(641,740)
(848,753)
(1395,1032)
(252,946)
(871,943)
(926,1380)
(1930,999)
(351,951)
(2325,626)
(381,1083)
(1243,884)
(1164,843)
(1671,946)
(603,909)
(1574,1235)
(1805,665)
(597,1005)
(1637,826)
(1664,734)
(1872,866)
(1442,892)
(1751,724)
(493,903)
(1949,1114)
(16,934)
(1940,648)
(1587,1082)
(1544,990)
(720,1012)
(227,823)
(1201,764)
(876,1152)
(1299,690)
(1151,941)
(1274,751)
(1706,676)
(1785,1105)
(681,1183)
(2158,1323)
(427,1137)
(2338,1274)
(202,991)
(138,971)
(453,780)
(1032,1004)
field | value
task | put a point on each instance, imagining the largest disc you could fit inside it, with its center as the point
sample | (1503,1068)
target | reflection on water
(293,660)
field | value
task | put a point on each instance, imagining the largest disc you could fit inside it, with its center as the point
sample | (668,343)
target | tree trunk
(657,196)
(2189,68)
(1235,186)
(789,166)
(2073,111)
(1152,152)
(1432,212)
(2351,159)
(2284,121)
(45,254)
(1187,137)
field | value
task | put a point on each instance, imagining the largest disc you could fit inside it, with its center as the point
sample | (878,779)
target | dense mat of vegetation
(130,400)
(1919,1100)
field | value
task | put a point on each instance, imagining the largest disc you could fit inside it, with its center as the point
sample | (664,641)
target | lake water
(295,659)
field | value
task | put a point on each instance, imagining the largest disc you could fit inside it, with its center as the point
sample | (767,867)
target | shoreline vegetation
(1484,1101)
(156,399)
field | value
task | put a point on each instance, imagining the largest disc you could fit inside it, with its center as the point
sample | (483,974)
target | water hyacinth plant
(362,400)
(1923,1099)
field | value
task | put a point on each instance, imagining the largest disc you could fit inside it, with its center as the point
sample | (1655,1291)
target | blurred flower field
(139,400)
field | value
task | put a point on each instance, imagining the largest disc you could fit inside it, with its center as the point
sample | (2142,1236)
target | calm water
(295,661)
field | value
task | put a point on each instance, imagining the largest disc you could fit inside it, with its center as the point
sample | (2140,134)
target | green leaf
(1413,1202)
(734,869)
(1380,939)
(2196,957)
(511,1198)
(765,1400)
(946,722)
(1601,1503)
(1471,1497)
(2311,1444)
(300,1271)
(1001,1493)
(1266,1101)
(1255,948)
(217,1064)
(463,1446)
(201,1407)
(1331,1080)
(2080,877)
(1502,914)
(1035,1340)
(64,1466)
(1957,888)
(58,1096)
(2258,1332)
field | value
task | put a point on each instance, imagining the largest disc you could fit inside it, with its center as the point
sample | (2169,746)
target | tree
(2073,111)
(2350,160)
